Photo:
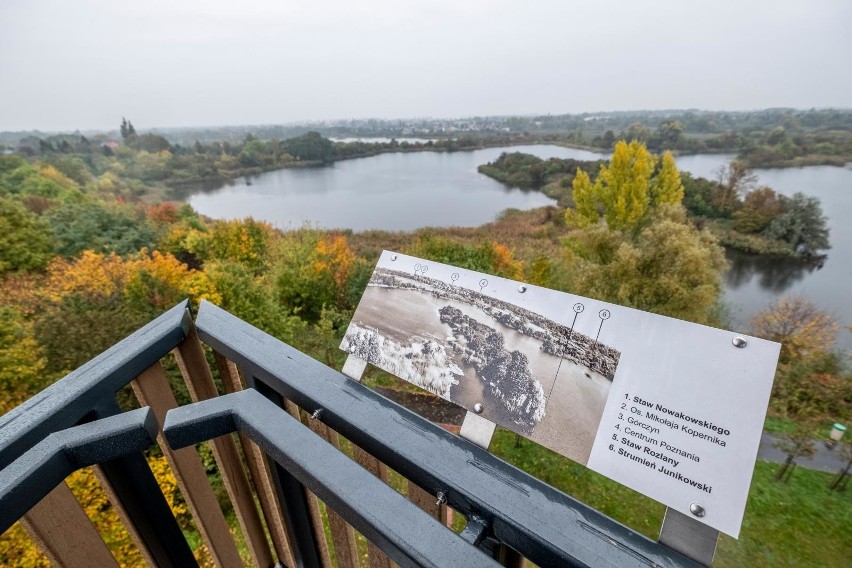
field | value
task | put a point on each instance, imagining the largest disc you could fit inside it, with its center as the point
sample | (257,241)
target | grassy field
(801,523)
(780,425)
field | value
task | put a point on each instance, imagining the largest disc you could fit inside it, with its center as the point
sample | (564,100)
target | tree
(627,189)
(310,146)
(637,132)
(152,143)
(735,180)
(72,167)
(669,268)
(334,257)
(670,133)
(91,302)
(244,241)
(10,162)
(25,240)
(814,386)
(252,299)
(796,323)
(842,478)
(504,263)
(759,208)
(22,363)
(795,444)
(699,196)
(126,129)
(647,255)
(622,188)
(101,228)
(253,153)
(801,224)
(777,136)
(314,271)
(666,185)
(585,211)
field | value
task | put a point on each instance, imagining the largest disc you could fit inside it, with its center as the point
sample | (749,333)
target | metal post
(291,495)
(134,485)
(689,537)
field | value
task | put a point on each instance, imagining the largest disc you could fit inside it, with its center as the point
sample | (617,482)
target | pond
(406,191)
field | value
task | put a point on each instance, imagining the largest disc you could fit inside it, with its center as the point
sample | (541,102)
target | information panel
(669,408)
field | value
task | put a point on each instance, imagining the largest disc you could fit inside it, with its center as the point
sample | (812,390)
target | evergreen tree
(801,224)
(126,129)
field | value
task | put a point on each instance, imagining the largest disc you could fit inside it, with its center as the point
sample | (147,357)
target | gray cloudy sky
(86,63)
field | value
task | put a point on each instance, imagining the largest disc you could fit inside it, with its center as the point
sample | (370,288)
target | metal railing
(284,471)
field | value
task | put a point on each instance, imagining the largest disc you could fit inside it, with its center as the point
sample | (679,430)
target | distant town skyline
(83,65)
(418,124)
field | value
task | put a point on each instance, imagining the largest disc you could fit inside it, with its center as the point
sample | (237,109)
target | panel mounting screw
(393,257)
(477,408)
(739,341)
(317,413)
(696,509)
(442,498)
(522,288)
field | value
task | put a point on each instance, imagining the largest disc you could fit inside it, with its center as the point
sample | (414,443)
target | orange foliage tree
(315,270)
(334,261)
(245,241)
(504,262)
(801,328)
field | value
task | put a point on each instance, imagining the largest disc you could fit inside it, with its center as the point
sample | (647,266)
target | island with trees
(742,214)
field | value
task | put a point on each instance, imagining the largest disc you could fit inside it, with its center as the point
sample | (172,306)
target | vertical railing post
(342,534)
(199,380)
(64,533)
(294,501)
(689,537)
(480,431)
(258,468)
(134,491)
(354,369)
(152,389)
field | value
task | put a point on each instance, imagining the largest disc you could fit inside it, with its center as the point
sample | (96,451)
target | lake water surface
(753,281)
(405,191)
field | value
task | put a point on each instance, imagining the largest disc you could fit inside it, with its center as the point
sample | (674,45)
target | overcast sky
(86,63)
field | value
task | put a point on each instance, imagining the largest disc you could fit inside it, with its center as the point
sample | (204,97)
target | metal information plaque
(669,408)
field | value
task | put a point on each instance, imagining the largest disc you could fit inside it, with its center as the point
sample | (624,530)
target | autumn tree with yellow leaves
(812,383)
(632,243)
(634,184)
(801,328)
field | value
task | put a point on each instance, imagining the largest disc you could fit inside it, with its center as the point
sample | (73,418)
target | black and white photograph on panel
(448,331)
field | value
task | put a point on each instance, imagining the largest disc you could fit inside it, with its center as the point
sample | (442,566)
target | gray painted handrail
(407,534)
(69,400)
(33,475)
(542,523)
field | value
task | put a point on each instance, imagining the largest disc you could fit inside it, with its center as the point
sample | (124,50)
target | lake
(396,191)
(752,281)
(405,191)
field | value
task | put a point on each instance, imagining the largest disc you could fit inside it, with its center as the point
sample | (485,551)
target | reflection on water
(774,274)
(754,282)
(390,191)
(411,190)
